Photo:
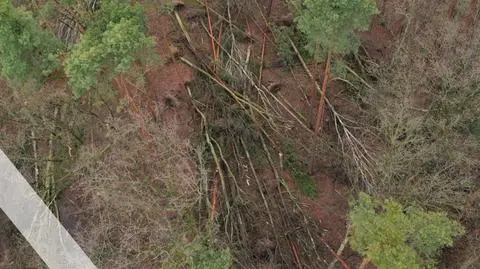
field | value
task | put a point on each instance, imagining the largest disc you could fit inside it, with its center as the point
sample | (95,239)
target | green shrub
(299,170)
(396,237)
(283,35)
(47,11)
(208,258)
(198,254)
(167,8)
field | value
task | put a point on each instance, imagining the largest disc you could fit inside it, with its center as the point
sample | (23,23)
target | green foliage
(208,258)
(283,35)
(167,8)
(475,128)
(26,50)
(396,237)
(299,171)
(114,40)
(332,24)
(47,11)
(68,2)
(339,68)
(197,255)
(203,252)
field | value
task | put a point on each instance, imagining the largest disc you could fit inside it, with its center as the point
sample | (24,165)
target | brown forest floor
(165,99)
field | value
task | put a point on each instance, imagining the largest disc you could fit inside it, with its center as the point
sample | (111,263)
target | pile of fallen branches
(246,196)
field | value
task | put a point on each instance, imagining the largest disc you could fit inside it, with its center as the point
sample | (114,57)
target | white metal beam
(36,222)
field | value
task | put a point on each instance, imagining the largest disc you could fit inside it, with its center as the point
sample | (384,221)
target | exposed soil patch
(378,42)
(166,92)
(330,208)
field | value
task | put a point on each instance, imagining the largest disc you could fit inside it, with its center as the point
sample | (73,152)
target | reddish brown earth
(166,92)
(378,41)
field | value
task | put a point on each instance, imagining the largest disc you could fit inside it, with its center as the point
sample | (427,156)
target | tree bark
(321,104)
(364,263)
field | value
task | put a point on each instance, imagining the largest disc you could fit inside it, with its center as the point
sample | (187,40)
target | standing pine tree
(391,236)
(331,26)
(26,50)
(115,37)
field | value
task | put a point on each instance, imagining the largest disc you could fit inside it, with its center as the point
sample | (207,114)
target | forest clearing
(216,134)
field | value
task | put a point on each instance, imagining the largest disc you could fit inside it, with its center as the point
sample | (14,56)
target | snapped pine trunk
(321,104)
